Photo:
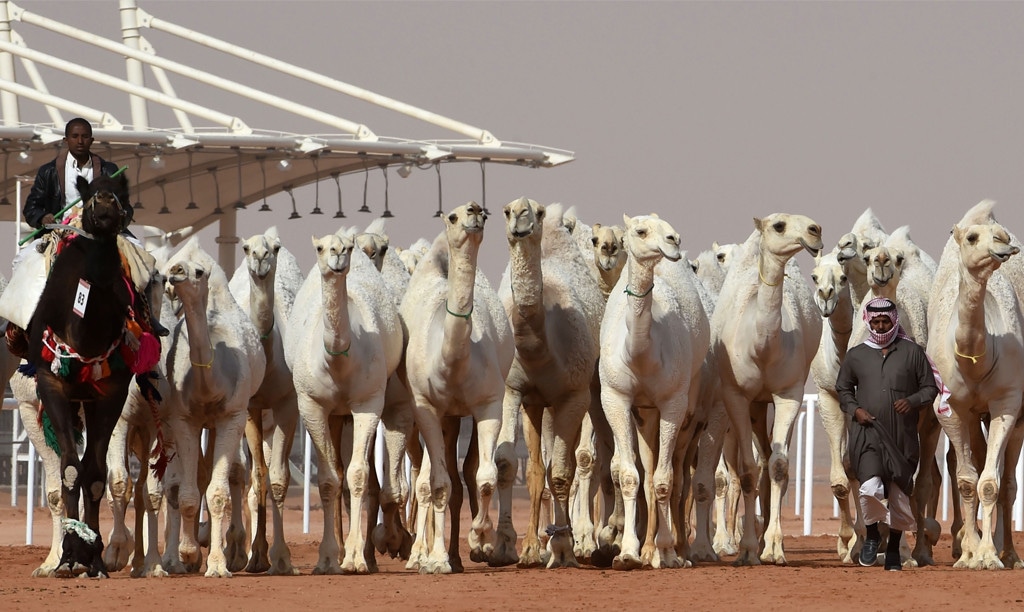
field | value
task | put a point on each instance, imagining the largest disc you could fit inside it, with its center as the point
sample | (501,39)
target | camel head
(829,279)
(609,248)
(412,255)
(884,267)
(375,246)
(464,224)
(188,286)
(983,248)
(105,207)
(334,253)
(785,235)
(724,253)
(523,217)
(261,254)
(648,239)
(570,219)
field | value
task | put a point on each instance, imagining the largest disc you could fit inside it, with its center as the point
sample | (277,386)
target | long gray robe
(871,381)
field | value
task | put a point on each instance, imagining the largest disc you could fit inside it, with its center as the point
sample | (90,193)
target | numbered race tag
(81,298)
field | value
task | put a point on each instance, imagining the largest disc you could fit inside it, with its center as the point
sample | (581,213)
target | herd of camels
(639,379)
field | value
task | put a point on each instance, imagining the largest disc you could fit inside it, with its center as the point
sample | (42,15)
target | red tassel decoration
(148,355)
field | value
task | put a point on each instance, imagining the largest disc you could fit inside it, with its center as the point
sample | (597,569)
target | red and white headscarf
(881,306)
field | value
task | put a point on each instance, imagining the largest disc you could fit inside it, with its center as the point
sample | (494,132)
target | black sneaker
(869,552)
(892,562)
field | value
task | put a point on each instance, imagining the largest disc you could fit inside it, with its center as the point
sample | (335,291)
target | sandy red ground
(814,579)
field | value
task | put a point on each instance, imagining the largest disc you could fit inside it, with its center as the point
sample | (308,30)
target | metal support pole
(811,401)
(307,463)
(799,460)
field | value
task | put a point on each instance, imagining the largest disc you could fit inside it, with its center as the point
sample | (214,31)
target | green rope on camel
(51,436)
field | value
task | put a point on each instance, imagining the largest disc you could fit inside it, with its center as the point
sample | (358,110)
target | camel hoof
(604,556)
(626,562)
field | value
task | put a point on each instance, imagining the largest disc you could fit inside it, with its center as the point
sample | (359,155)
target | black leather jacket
(47,195)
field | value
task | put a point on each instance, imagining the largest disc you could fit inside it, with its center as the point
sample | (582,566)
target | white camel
(654,337)
(264,285)
(977,343)
(764,343)
(832,296)
(459,353)
(554,306)
(214,365)
(346,343)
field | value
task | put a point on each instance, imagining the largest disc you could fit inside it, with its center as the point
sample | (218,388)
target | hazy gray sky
(706,113)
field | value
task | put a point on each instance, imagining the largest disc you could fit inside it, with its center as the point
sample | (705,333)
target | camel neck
(770,290)
(337,336)
(525,275)
(971,335)
(639,292)
(200,343)
(458,315)
(840,322)
(261,303)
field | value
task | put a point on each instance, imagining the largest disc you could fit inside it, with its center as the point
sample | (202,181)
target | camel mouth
(1000,257)
(813,250)
(881,282)
(473,229)
(521,234)
(673,257)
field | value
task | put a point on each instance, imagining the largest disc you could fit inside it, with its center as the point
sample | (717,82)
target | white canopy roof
(227,163)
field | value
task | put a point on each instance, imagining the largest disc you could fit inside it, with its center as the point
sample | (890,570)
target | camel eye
(319,248)
(452,218)
(641,232)
(508,213)
(842,278)
(695,265)
(245,249)
(779,226)
(972,238)
(814,277)
(199,273)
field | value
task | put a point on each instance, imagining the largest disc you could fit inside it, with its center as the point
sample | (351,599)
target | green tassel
(51,436)
(65,366)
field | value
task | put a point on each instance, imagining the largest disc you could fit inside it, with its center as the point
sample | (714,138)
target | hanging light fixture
(366,182)
(387,212)
(25,157)
(4,201)
(284,165)
(483,185)
(337,181)
(405,170)
(216,184)
(163,191)
(295,211)
(437,167)
(316,196)
(240,205)
(157,161)
(263,171)
(191,200)
(138,182)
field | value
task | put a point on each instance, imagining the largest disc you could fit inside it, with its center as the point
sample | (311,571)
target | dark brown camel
(80,341)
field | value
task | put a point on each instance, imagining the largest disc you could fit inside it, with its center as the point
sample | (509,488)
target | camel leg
(1007,494)
(119,543)
(647,446)
(618,411)
(705,481)
(319,426)
(451,427)
(365,419)
(999,433)
(834,422)
(966,480)
(488,427)
(532,554)
(391,537)
(286,417)
(51,469)
(926,491)
(61,414)
(235,539)
(151,491)
(582,493)
(218,493)
(259,560)
(566,420)
(740,412)
(786,409)
(508,465)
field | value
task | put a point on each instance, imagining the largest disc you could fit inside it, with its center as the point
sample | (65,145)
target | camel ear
(595,227)
(758,224)
(313,238)
(540,212)
(694,265)
(715,245)
(82,184)
(626,219)
(958,234)
(245,248)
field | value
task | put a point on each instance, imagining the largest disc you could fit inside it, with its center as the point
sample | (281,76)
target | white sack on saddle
(19,299)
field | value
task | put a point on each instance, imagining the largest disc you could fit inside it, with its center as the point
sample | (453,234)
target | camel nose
(673,238)
(814,230)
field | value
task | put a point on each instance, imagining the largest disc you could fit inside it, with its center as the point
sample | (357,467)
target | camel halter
(639,295)
(455,314)
(973,358)
(761,275)
(339,353)
(205,365)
